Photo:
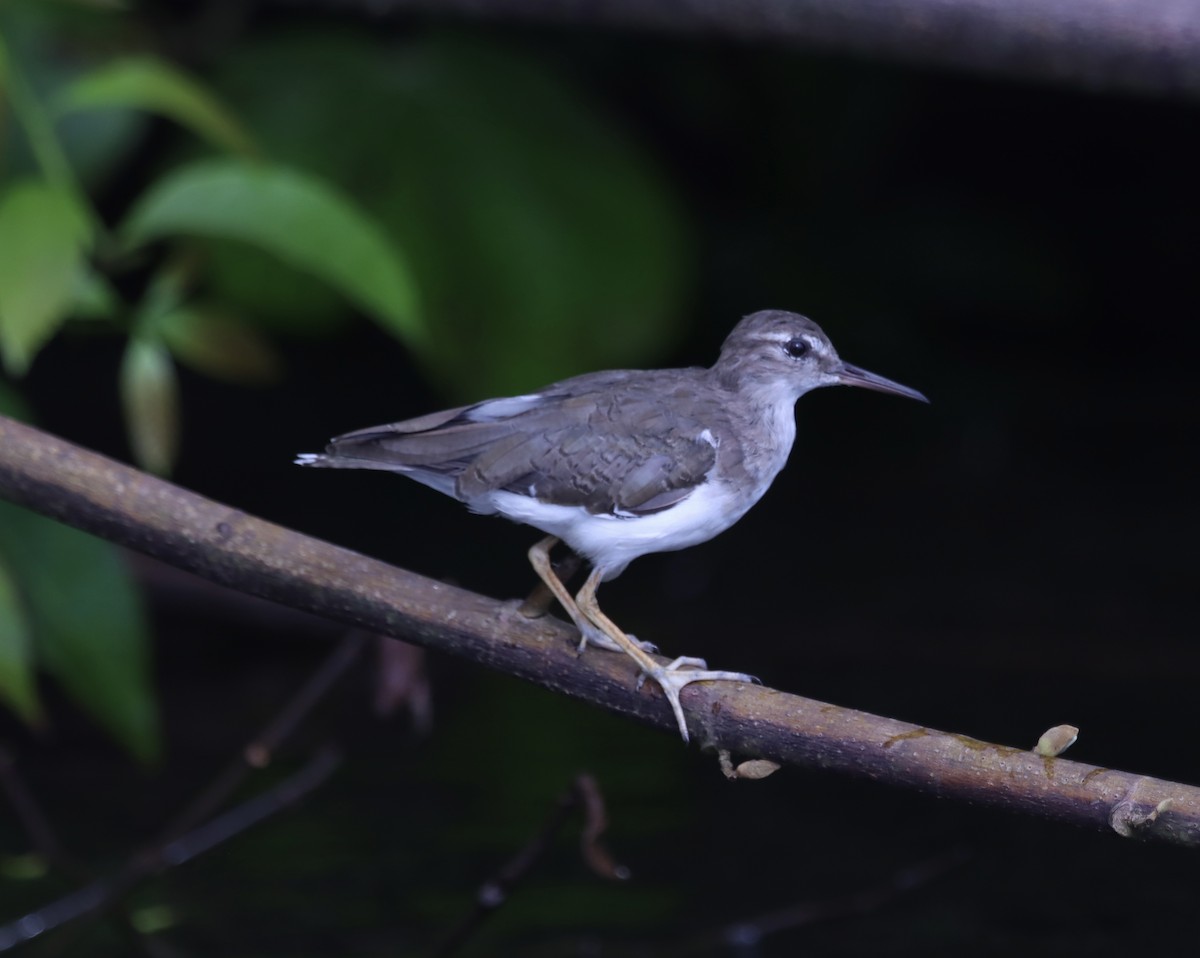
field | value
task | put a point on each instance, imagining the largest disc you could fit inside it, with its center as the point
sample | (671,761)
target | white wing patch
(492,410)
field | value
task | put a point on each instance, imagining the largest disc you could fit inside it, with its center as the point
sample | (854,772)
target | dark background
(1017,555)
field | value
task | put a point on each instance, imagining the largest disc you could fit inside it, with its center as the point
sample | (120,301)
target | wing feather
(608,443)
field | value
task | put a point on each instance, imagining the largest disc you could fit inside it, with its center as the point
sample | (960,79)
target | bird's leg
(538,602)
(539,558)
(671,678)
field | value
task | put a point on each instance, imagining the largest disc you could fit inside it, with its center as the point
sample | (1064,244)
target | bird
(622,463)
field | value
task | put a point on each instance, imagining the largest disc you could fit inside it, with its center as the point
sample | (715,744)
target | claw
(644,646)
(593,636)
(671,679)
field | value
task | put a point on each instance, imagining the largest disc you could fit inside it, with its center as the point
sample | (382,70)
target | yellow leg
(585,602)
(670,677)
(538,602)
(539,558)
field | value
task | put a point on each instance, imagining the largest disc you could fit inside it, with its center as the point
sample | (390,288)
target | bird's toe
(672,679)
(648,647)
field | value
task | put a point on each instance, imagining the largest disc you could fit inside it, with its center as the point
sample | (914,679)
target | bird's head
(785,355)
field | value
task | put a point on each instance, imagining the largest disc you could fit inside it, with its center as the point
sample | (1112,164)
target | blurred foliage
(294,217)
(143,83)
(43,240)
(48,225)
(68,605)
(464,198)
(543,241)
(87,623)
(17,687)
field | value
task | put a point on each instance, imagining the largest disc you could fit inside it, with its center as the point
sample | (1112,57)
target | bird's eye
(797,347)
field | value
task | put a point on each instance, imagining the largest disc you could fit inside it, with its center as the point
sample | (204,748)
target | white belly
(611,542)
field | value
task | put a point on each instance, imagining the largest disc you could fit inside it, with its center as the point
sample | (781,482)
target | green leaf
(575,249)
(211,342)
(34,122)
(296,217)
(89,628)
(146,83)
(43,238)
(150,400)
(17,686)
(271,294)
(92,297)
(539,230)
(82,150)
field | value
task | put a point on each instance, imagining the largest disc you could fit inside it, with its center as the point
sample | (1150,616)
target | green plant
(452,191)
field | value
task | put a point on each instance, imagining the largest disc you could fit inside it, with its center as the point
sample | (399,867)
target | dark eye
(797,347)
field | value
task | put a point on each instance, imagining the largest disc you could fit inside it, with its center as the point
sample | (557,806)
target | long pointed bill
(853,376)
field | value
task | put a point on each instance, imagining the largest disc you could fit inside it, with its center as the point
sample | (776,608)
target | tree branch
(1147,46)
(134,509)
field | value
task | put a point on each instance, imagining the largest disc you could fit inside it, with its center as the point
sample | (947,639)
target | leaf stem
(43,142)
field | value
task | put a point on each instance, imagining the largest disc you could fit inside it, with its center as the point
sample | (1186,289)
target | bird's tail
(323,461)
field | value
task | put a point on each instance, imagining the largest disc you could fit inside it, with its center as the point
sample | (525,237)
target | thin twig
(37,826)
(401,680)
(184,837)
(260,751)
(750,933)
(583,794)
(595,823)
(106,891)
(257,753)
(238,819)
(119,503)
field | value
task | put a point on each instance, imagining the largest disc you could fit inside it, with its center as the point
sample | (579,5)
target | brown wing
(605,442)
(617,451)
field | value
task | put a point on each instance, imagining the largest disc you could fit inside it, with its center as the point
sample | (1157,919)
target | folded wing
(613,451)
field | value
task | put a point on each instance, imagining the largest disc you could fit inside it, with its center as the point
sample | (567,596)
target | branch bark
(1147,46)
(136,510)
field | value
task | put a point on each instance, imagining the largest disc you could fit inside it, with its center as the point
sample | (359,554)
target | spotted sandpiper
(623,463)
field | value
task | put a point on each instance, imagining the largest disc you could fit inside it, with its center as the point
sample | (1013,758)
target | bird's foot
(673,677)
(590,635)
(695,663)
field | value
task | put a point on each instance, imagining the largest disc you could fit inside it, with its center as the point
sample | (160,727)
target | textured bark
(136,510)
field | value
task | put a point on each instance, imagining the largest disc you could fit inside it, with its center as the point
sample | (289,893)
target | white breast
(611,543)
(756,464)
